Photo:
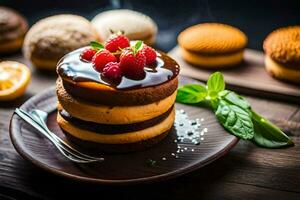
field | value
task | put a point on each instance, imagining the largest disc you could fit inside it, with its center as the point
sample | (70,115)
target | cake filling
(112,129)
(104,114)
(130,137)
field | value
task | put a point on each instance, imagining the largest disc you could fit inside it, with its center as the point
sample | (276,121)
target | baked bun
(13,27)
(135,25)
(53,37)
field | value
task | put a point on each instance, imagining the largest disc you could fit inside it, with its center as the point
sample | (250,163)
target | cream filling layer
(282,72)
(217,60)
(113,115)
(123,138)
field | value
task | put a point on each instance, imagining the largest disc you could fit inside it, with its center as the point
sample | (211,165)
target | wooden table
(246,172)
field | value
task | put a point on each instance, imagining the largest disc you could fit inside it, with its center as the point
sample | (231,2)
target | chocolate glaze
(71,67)
(113,129)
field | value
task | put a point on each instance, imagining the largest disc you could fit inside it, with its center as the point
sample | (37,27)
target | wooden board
(214,143)
(250,77)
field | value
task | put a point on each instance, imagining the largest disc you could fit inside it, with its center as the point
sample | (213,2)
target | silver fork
(36,118)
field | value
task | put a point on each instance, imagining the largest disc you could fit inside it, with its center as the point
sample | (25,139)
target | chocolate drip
(71,67)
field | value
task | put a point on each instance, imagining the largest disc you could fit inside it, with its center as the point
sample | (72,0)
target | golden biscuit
(282,48)
(212,45)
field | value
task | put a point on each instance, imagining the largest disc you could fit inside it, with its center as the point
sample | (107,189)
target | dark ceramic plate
(168,159)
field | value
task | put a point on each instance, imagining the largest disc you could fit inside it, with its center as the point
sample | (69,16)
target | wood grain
(246,172)
(250,77)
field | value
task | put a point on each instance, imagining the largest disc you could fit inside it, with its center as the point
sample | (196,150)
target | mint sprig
(233,112)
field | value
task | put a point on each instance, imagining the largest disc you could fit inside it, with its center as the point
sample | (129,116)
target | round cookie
(212,45)
(282,48)
(53,37)
(13,27)
(135,25)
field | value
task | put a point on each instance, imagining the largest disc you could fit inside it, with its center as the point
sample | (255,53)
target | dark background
(255,18)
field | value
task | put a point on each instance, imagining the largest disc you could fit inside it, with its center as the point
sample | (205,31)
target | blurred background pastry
(136,26)
(282,49)
(51,38)
(212,45)
(13,27)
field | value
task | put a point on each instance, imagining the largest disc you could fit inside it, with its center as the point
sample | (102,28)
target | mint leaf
(96,45)
(192,93)
(235,119)
(215,83)
(235,99)
(234,112)
(267,134)
(137,46)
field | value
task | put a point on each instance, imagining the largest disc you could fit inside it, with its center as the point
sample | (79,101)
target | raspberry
(101,58)
(132,65)
(87,54)
(116,42)
(112,71)
(150,54)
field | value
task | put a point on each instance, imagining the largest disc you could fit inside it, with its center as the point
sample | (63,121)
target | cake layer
(96,93)
(116,148)
(123,138)
(112,114)
(112,129)
(81,80)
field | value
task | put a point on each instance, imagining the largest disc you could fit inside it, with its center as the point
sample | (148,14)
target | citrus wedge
(14,78)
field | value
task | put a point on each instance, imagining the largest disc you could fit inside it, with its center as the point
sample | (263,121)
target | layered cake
(116,97)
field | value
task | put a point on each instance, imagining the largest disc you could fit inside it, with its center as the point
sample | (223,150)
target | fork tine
(58,139)
(64,151)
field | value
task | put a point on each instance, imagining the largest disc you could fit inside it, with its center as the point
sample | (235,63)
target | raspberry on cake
(126,105)
(101,58)
(150,54)
(116,42)
(88,54)
(112,70)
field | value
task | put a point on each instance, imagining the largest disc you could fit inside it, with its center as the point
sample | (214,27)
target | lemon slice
(14,78)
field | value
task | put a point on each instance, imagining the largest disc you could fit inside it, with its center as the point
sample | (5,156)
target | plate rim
(17,144)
